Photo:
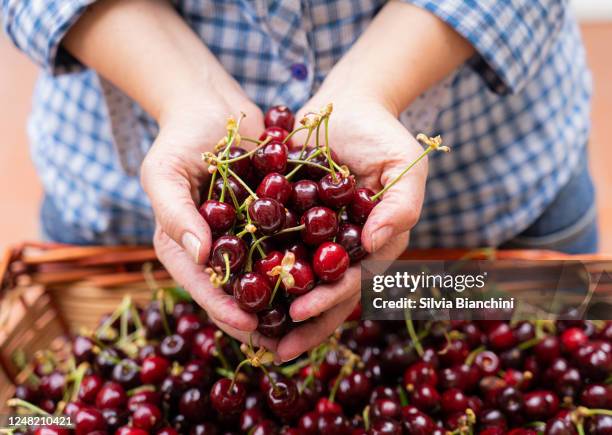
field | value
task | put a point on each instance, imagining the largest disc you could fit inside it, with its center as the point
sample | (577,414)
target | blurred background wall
(20,190)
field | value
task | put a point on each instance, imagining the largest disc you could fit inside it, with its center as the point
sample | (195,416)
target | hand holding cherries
(285,215)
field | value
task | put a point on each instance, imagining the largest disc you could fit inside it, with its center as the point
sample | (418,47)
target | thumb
(399,209)
(171,186)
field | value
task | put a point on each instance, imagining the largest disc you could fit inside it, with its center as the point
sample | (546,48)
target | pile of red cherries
(284,216)
(167,370)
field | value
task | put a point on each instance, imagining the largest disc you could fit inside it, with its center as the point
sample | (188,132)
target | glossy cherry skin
(187,325)
(193,404)
(325,406)
(175,348)
(540,404)
(90,386)
(241,167)
(548,349)
(268,215)
(226,400)
(51,430)
(487,362)
(265,265)
(279,116)
(146,416)
(597,396)
(220,216)
(303,277)
(304,195)
(349,237)
(336,193)
(275,186)
(420,373)
(501,337)
(299,250)
(111,396)
(252,292)
(559,426)
(273,322)
(386,408)
(313,172)
(594,359)
(275,133)
(204,343)
(238,189)
(282,401)
(82,349)
(126,373)
(425,397)
(272,157)
(234,247)
(330,261)
(249,418)
(362,205)
(167,431)
(145,396)
(418,423)
(572,339)
(52,385)
(321,225)
(88,420)
(127,430)
(153,370)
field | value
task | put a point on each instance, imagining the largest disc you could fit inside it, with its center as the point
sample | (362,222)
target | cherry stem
(246,186)
(306,162)
(245,155)
(219,352)
(401,174)
(469,360)
(366,417)
(162,311)
(589,412)
(78,379)
(298,167)
(227,268)
(328,150)
(276,286)
(402,396)
(416,342)
(237,372)
(334,390)
(305,144)
(529,343)
(272,381)
(251,139)
(20,403)
(290,135)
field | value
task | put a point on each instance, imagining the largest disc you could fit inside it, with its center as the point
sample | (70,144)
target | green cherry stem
(290,135)
(20,403)
(246,186)
(276,286)
(305,144)
(330,161)
(416,342)
(237,372)
(227,268)
(433,144)
(219,351)
(245,155)
(298,167)
(309,163)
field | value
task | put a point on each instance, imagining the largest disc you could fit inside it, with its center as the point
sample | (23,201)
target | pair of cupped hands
(365,135)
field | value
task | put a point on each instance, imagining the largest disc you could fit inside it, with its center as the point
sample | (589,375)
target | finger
(215,301)
(248,337)
(322,297)
(170,183)
(400,207)
(325,296)
(312,333)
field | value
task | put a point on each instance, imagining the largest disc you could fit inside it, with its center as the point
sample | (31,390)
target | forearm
(146,49)
(404,51)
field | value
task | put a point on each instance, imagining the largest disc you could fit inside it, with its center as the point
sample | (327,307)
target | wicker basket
(48,291)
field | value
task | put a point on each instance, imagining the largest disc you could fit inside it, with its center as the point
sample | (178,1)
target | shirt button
(299,71)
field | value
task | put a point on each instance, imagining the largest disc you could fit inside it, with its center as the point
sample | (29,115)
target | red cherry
(241,167)
(268,215)
(275,134)
(313,172)
(90,386)
(420,373)
(252,292)
(304,195)
(167,431)
(282,399)
(154,370)
(275,186)
(51,430)
(303,277)
(127,430)
(187,325)
(279,116)
(52,385)
(193,405)
(425,397)
(330,261)
(239,191)
(234,247)
(146,416)
(487,362)
(321,225)
(145,396)
(204,344)
(111,396)
(362,205)
(272,157)
(540,404)
(299,250)
(290,222)
(501,337)
(349,237)
(220,216)
(336,193)
(265,265)
(89,420)
(453,400)
(572,339)
(273,322)
(226,400)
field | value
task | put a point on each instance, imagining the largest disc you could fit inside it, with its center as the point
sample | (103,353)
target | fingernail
(192,245)
(380,237)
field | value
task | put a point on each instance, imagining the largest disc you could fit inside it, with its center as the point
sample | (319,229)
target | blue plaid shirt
(516,115)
